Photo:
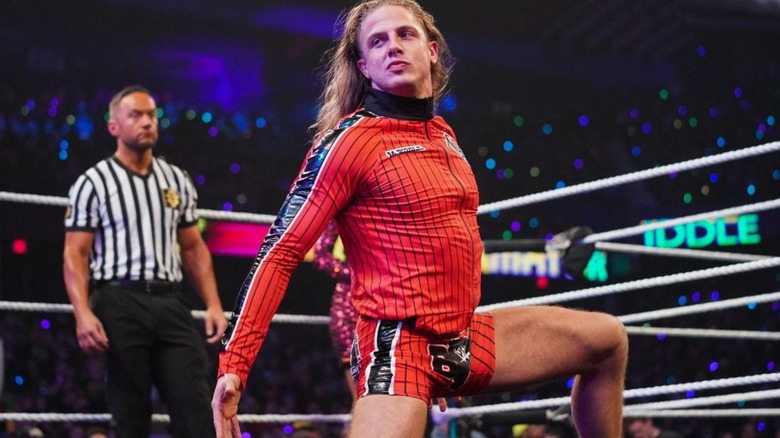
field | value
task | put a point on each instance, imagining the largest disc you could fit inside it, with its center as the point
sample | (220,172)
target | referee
(130,224)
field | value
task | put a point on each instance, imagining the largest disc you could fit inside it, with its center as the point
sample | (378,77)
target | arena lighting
(19,246)
(728,231)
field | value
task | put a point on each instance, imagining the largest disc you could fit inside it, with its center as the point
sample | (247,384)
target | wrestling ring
(637,324)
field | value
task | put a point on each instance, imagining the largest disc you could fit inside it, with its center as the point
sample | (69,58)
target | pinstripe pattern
(405,201)
(134,223)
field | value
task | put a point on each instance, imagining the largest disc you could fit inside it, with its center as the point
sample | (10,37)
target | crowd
(47,139)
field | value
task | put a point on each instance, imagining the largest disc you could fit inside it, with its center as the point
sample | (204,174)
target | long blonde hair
(344,83)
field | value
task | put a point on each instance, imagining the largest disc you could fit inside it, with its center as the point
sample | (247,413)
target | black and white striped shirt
(135,219)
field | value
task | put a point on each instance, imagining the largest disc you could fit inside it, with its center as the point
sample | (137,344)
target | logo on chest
(453,145)
(406,149)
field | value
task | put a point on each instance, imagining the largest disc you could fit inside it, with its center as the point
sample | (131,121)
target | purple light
(713,366)
(713,112)
(52,112)
(45,324)
(515,226)
(235,168)
(695,297)
(682,110)
(578,163)
(690,394)
(776,306)
(584,120)
(633,113)
(762,128)
(228,206)
(738,92)
(200,180)
(770,365)
(701,51)
(213,131)
(288,429)
(500,174)
(673,175)
(660,336)
(311,21)
(715,295)
(646,128)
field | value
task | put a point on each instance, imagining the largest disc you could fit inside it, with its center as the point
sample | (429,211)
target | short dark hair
(124,92)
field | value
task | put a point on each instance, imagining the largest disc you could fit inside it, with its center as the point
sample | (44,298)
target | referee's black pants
(153,340)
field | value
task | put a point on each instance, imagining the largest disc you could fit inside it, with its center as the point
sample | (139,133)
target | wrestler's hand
(224,406)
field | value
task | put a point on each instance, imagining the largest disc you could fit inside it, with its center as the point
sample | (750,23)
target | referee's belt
(157,287)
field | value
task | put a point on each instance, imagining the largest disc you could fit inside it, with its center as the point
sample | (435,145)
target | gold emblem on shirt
(171,197)
(68,211)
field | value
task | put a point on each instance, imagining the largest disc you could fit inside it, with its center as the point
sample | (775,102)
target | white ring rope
(663,280)
(703,333)
(165,418)
(640,229)
(485,208)
(199,314)
(450,413)
(699,308)
(627,394)
(629,177)
(627,248)
(702,413)
(643,317)
(707,401)
(59,201)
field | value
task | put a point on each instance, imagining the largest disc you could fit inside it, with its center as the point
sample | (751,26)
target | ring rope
(701,413)
(641,229)
(699,308)
(564,296)
(165,418)
(485,208)
(59,201)
(647,316)
(711,400)
(703,333)
(629,177)
(627,248)
(627,394)
(199,314)
(663,280)
(592,238)
(451,412)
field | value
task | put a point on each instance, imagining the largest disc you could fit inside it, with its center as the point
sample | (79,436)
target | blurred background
(545,95)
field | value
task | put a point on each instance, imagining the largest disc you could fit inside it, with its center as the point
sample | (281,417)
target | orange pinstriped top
(405,202)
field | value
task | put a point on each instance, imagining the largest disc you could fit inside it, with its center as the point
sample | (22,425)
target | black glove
(574,254)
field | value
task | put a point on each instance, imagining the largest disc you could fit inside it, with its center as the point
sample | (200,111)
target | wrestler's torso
(410,231)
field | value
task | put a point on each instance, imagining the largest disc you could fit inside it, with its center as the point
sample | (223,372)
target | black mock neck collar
(390,105)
